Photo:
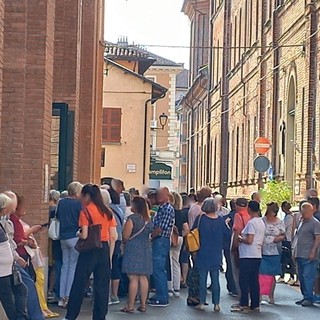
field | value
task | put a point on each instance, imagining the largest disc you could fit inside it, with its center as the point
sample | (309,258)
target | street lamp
(163,120)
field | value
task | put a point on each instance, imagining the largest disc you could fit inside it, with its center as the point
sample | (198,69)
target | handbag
(193,239)
(54,228)
(174,237)
(93,240)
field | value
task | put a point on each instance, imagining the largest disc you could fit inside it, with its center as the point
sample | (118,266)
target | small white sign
(131,168)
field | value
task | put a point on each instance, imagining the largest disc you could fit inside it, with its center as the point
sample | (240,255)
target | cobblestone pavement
(284,309)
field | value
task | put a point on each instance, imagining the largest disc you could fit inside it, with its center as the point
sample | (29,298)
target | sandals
(127,310)
(142,309)
(49,314)
(240,309)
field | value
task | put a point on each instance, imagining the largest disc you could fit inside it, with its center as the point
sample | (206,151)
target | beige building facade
(127,113)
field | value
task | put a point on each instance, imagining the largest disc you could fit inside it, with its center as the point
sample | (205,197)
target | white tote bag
(54,229)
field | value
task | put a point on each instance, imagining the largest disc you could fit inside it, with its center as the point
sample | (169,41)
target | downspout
(152,100)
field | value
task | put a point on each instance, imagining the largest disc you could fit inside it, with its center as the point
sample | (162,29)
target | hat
(242,202)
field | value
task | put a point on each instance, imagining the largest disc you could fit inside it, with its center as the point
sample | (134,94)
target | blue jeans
(215,286)
(161,250)
(33,305)
(70,258)
(307,271)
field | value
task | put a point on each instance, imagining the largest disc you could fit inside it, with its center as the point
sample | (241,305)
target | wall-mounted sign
(131,168)
(160,171)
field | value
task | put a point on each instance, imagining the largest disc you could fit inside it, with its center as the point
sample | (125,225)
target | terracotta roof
(157,89)
(125,50)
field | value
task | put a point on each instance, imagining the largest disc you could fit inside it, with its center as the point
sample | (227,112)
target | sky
(150,22)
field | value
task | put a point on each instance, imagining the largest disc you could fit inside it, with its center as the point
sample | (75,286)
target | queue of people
(109,240)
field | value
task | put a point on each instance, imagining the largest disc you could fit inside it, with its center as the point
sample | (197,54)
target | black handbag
(93,240)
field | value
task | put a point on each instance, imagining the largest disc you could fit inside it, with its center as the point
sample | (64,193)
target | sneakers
(281,280)
(51,297)
(113,301)
(307,303)
(299,303)
(61,303)
(170,293)
(199,307)
(291,282)
(157,303)
(316,298)
(176,293)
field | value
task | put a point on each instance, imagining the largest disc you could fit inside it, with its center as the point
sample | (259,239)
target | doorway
(62,144)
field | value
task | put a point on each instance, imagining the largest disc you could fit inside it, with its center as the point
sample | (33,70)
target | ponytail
(96,197)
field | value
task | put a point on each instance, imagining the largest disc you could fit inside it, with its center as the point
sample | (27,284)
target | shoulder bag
(174,237)
(193,239)
(139,232)
(93,240)
(54,228)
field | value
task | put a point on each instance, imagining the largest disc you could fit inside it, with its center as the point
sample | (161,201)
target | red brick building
(51,63)
(262,75)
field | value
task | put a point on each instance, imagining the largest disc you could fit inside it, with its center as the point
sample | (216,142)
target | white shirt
(255,227)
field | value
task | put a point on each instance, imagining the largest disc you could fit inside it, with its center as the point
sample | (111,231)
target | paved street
(285,309)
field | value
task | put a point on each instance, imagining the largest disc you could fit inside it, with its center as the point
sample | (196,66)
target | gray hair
(209,205)
(4,201)
(74,189)
(106,197)
(54,196)
(64,194)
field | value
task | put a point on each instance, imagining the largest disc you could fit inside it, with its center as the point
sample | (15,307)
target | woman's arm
(83,233)
(247,239)
(113,238)
(185,229)
(127,230)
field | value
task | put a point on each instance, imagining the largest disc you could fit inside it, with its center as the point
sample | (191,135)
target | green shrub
(276,191)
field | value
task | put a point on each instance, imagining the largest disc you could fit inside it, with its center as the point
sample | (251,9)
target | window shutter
(111,127)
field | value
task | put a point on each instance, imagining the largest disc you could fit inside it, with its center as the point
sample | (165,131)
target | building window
(237,154)
(257,19)
(103,157)
(111,125)
(235,43)
(240,36)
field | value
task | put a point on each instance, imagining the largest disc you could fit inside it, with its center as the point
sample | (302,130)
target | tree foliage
(276,191)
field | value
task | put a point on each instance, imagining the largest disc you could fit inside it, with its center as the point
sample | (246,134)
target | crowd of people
(112,243)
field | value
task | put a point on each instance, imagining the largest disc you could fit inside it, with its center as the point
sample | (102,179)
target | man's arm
(314,250)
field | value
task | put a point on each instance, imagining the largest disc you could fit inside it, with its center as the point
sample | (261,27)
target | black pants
(13,299)
(249,282)
(98,263)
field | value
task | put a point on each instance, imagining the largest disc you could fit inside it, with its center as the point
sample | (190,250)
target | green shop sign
(160,171)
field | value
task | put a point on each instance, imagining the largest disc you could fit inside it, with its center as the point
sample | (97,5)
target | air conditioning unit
(154,124)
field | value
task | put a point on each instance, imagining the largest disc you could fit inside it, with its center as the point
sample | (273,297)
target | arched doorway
(290,140)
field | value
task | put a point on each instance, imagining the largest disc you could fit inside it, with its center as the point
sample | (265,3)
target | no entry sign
(262,145)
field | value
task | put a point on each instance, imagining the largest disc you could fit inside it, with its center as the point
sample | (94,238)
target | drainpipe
(152,100)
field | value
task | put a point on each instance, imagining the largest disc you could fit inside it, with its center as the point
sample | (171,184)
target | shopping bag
(265,283)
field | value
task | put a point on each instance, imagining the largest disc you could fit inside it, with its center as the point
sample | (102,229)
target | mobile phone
(45,225)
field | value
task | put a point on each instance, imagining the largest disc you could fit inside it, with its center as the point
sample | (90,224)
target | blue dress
(137,255)
(212,234)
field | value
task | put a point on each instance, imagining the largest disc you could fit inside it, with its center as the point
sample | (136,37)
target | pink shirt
(194,211)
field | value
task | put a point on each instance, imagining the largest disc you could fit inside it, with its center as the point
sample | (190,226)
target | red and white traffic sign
(262,145)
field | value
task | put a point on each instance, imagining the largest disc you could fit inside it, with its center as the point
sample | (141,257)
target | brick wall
(90,120)
(251,97)
(26,102)
(67,56)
